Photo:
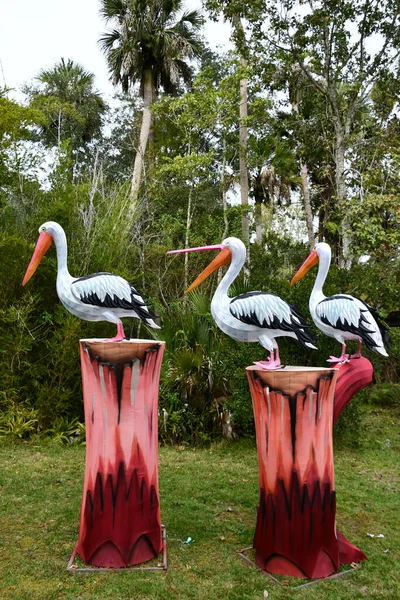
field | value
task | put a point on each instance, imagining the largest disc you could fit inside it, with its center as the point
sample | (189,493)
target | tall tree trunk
(150,161)
(137,175)
(305,188)
(223,190)
(307,205)
(258,220)
(244,178)
(340,183)
(258,193)
(188,225)
(243,174)
(59,130)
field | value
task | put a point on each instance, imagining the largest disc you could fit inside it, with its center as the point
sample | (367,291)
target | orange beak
(42,245)
(223,257)
(310,262)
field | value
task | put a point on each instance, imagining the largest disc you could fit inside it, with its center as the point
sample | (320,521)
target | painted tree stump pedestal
(295,530)
(120,521)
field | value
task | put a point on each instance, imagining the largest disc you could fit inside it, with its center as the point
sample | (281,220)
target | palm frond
(108,40)
(147,34)
(111,9)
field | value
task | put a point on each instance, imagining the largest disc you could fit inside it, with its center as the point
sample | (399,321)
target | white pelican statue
(253,316)
(97,297)
(342,317)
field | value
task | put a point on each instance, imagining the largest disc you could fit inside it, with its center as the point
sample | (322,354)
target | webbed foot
(268,365)
(340,360)
(117,338)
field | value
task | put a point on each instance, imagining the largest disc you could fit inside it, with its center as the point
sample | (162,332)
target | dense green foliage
(58,163)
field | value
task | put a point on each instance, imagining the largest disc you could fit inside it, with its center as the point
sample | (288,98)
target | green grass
(208,494)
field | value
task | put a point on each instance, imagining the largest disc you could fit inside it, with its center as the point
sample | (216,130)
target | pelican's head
(46,233)
(320,252)
(230,248)
(50,227)
(236,246)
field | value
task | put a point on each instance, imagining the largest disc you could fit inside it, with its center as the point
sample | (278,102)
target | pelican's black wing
(110,291)
(269,311)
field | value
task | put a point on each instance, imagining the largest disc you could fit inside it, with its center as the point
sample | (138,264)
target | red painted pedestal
(353,376)
(295,531)
(120,513)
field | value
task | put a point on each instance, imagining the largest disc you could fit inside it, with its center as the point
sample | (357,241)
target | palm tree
(149,44)
(72,106)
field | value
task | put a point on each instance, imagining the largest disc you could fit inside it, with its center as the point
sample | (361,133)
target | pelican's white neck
(238,251)
(324,261)
(60,242)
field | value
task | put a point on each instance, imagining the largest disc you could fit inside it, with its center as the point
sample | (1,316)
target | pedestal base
(163,566)
(120,513)
(293,409)
(243,551)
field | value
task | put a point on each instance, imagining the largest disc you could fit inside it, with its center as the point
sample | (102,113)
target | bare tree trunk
(222,184)
(244,178)
(59,130)
(258,220)
(307,205)
(258,193)
(305,188)
(223,190)
(188,224)
(340,181)
(137,175)
(243,174)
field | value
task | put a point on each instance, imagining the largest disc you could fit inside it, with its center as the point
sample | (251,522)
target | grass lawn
(209,494)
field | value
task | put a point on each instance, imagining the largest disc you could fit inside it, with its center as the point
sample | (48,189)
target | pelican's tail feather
(301,328)
(311,346)
(373,330)
(152,324)
(381,350)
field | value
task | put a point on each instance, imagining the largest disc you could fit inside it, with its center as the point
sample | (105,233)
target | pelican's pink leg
(120,334)
(358,353)
(273,362)
(265,364)
(277,358)
(343,357)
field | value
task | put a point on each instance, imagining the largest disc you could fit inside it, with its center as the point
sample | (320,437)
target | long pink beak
(223,257)
(199,249)
(42,245)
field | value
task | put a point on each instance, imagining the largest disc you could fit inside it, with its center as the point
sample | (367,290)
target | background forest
(290,138)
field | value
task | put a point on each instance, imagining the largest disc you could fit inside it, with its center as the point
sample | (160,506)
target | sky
(35,34)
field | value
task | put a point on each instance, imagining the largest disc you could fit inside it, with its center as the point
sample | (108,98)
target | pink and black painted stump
(293,408)
(120,513)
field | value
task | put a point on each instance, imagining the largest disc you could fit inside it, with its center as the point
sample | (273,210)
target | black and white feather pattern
(349,314)
(269,311)
(106,290)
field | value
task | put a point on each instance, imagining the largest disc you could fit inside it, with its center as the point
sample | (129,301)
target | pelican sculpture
(97,297)
(342,317)
(252,316)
